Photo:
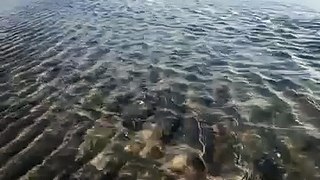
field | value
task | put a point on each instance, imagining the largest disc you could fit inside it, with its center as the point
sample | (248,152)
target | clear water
(82,79)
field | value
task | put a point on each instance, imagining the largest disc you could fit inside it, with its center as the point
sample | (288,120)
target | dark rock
(196,168)
(137,110)
(169,122)
(154,75)
(209,135)
(190,130)
(155,152)
(171,100)
(196,162)
(124,98)
(113,107)
(268,169)
(193,78)
(222,95)
(133,124)
(135,114)
(126,177)
(259,114)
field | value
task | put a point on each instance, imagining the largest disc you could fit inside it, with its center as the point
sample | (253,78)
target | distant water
(80,79)
(313,4)
(9,5)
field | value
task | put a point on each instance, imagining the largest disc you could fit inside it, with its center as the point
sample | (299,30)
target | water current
(128,89)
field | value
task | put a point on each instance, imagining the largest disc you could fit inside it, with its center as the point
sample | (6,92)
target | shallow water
(71,70)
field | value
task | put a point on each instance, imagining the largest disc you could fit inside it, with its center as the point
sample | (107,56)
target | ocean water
(104,89)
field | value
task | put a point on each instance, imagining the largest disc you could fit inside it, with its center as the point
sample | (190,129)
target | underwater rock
(268,169)
(196,168)
(179,163)
(154,74)
(124,98)
(137,109)
(169,122)
(151,145)
(225,142)
(143,169)
(133,124)
(146,134)
(154,132)
(156,152)
(191,166)
(93,100)
(222,94)
(135,114)
(94,142)
(276,113)
(302,167)
(127,176)
(134,148)
(152,149)
(251,141)
(259,115)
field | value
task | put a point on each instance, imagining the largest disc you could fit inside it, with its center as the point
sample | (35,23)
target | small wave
(90,76)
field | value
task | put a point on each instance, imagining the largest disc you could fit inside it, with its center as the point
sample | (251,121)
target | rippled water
(81,79)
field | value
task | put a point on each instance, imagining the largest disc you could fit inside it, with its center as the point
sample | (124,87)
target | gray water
(81,79)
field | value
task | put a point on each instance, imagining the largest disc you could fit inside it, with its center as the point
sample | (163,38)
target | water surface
(80,79)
